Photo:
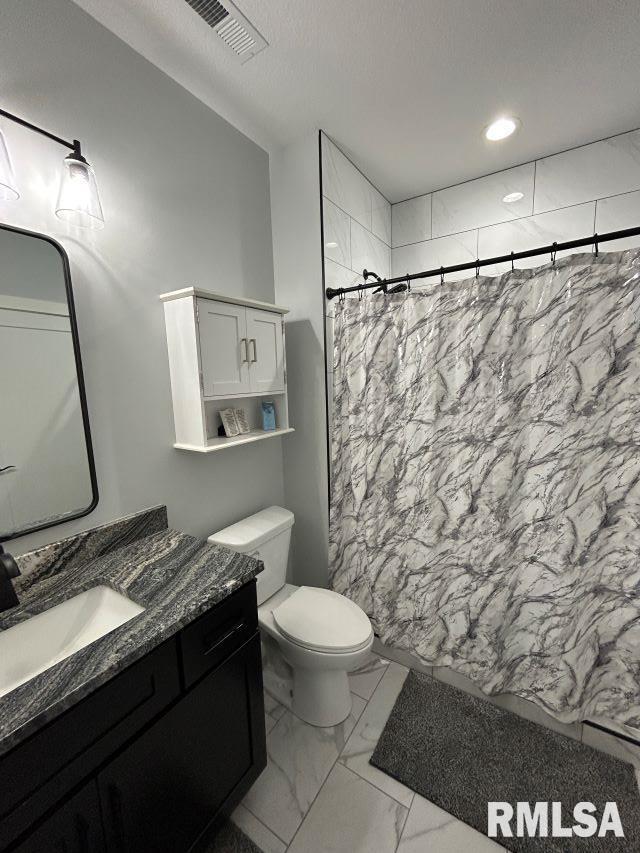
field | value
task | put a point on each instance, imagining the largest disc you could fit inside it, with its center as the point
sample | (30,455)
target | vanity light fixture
(510,198)
(501,128)
(78,198)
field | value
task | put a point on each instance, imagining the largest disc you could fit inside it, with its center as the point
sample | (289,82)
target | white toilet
(321,634)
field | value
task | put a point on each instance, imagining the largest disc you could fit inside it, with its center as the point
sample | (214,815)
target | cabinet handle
(243,343)
(240,626)
(255,350)
(115,804)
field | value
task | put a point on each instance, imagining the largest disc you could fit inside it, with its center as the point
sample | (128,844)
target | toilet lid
(322,620)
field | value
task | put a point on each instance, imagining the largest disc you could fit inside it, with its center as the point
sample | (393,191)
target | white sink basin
(31,647)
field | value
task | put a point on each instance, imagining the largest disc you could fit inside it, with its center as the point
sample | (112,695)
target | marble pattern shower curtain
(486,479)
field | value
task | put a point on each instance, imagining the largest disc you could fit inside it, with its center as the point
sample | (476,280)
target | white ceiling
(405,88)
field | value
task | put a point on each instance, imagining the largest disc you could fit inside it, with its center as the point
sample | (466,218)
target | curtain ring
(512,264)
(408,284)
(441,275)
(554,250)
(595,244)
(477,267)
(360,296)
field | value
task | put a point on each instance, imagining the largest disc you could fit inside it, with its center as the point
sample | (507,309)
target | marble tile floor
(319,794)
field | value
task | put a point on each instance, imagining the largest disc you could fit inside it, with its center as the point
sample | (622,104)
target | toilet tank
(265,536)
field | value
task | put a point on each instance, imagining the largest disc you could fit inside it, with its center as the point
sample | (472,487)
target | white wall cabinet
(241,349)
(265,345)
(222,330)
(223,353)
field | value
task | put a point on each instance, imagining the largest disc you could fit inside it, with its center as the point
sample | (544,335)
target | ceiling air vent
(238,35)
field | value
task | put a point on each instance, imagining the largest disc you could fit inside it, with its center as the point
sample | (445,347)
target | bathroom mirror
(47,473)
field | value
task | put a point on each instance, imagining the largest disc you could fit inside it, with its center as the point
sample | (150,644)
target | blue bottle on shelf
(268,416)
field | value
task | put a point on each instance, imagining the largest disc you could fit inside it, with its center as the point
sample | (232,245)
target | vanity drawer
(213,637)
(39,772)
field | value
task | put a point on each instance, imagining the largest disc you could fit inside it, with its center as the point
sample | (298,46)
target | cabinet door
(266,353)
(224,352)
(76,827)
(163,790)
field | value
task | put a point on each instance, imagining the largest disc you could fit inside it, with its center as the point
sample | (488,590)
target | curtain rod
(550,250)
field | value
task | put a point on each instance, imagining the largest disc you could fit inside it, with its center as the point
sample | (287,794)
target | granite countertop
(175,577)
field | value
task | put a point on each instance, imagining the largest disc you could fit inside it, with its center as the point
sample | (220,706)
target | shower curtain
(485,507)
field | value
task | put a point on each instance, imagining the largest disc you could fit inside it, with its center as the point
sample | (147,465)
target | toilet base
(321,698)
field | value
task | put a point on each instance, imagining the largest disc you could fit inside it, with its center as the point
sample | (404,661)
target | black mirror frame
(81,391)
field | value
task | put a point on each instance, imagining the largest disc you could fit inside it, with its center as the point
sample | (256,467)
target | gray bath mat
(227,838)
(460,752)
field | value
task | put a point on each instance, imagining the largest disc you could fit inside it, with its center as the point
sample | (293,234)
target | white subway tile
(380,216)
(570,223)
(411,220)
(368,252)
(344,185)
(336,275)
(480,202)
(445,251)
(613,214)
(337,233)
(593,171)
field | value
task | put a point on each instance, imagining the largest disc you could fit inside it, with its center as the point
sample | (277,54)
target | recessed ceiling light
(501,128)
(331,245)
(511,197)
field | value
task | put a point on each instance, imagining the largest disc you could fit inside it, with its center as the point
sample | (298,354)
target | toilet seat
(322,620)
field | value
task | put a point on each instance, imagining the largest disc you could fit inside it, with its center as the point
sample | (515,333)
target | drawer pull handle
(240,626)
(255,349)
(243,343)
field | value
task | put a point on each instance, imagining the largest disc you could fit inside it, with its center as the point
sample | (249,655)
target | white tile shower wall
(357,230)
(368,252)
(482,202)
(569,223)
(411,221)
(565,196)
(593,171)
(345,185)
(454,249)
(381,216)
(363,206)
(337,234)
(616,213)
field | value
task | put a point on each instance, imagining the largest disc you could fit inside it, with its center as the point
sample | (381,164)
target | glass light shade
(78,199)
(8,190)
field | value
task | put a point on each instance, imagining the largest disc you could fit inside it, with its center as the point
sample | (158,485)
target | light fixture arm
(74,146)
(78,199)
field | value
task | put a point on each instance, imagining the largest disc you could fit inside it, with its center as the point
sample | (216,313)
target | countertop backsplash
(77,550)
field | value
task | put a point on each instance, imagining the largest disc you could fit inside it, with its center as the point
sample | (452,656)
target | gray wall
(186,202)
(295,189)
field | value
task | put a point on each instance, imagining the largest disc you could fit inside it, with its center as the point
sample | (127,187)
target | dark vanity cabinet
(74,827)
(150,759)
(173,778)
